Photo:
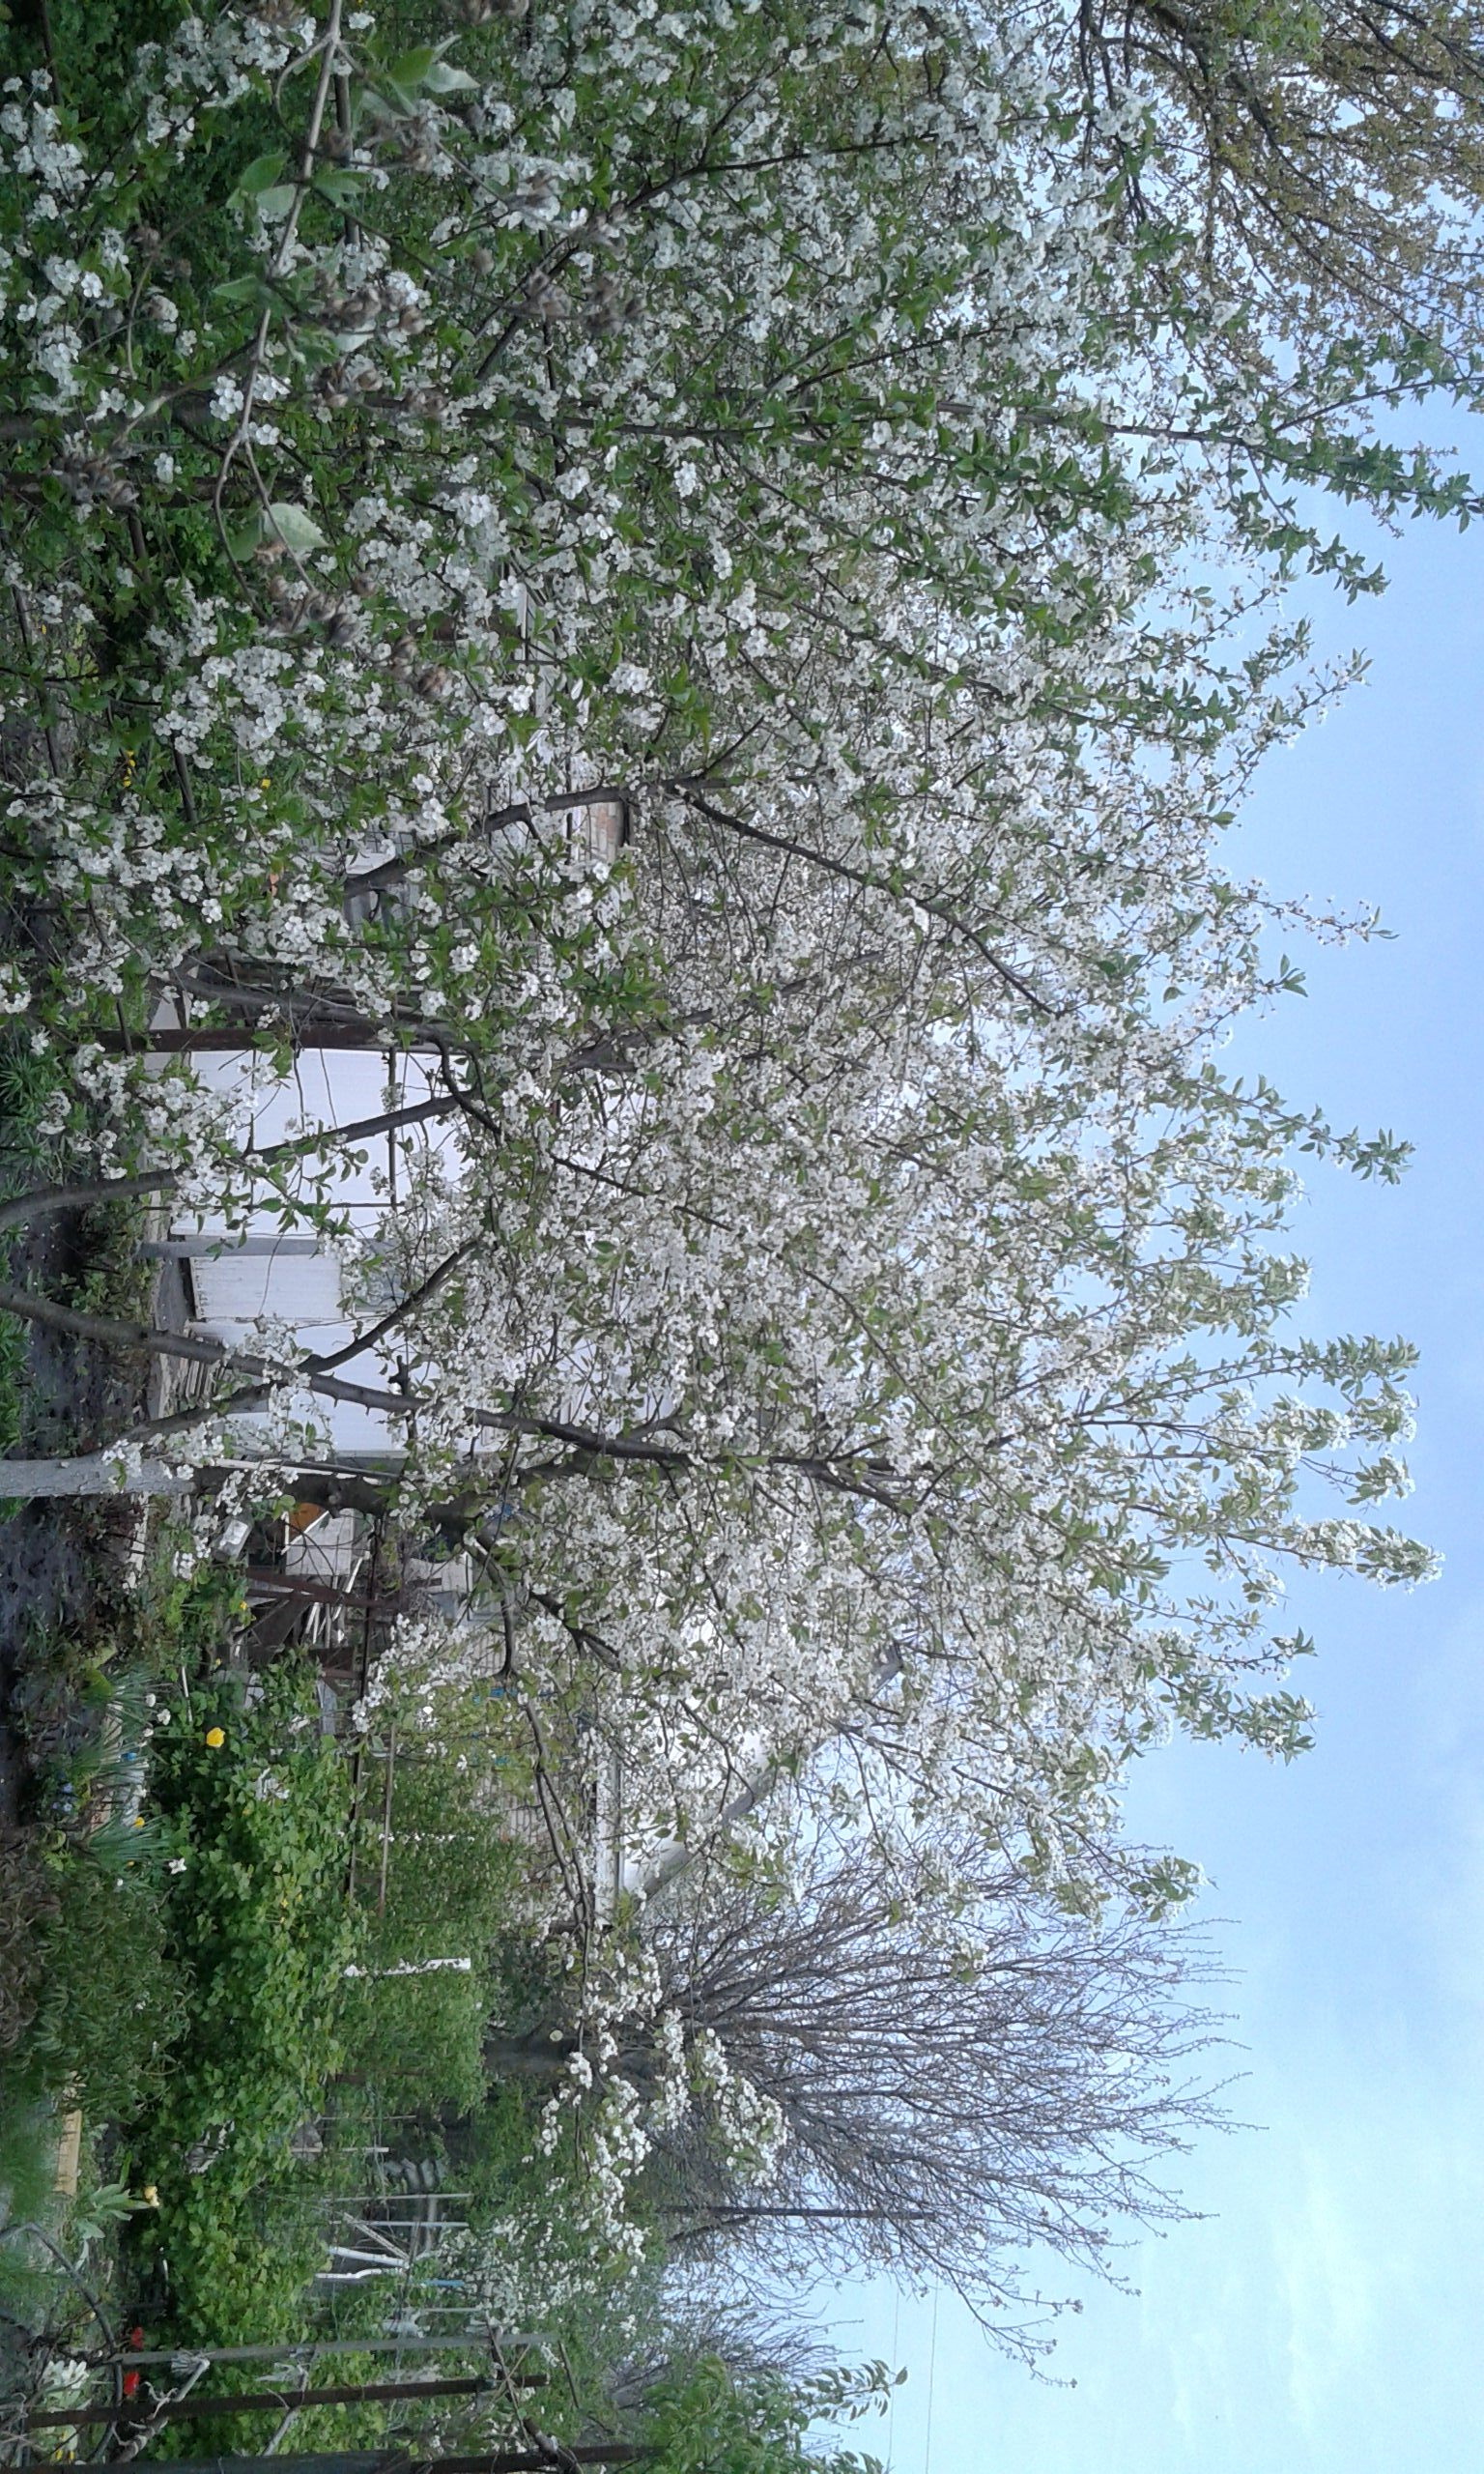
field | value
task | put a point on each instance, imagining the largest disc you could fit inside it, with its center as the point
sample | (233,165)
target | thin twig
(8,2232)
(24,625)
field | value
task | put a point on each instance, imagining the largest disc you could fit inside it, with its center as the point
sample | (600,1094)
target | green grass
(27,2167)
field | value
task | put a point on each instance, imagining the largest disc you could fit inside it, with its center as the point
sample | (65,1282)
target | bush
(112,2003)
(258,1925)
(419,2038)
(452,1892)
(708,2419)
(452,1879)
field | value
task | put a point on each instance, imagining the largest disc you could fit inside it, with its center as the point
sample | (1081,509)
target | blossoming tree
(847,1297)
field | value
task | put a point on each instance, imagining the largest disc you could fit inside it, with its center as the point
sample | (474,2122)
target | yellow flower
(138,1820)
(214,1736)
(149,2194)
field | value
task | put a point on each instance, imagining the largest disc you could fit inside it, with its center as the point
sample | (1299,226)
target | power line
(933,2368)
(891,2411)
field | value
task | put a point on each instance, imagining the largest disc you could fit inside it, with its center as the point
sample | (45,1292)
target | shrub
(259,1927)
(452,1879)
(112,1999)
(708,2419)
(452,1892)
(418,2039)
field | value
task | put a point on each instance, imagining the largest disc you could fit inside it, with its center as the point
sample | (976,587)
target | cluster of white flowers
(211,62)
(747,2124)
(427,1656)
(613,2121)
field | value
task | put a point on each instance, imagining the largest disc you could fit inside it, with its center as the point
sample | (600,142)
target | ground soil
(57,1560)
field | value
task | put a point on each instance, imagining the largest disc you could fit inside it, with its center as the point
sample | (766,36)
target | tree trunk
(92,1472)
(205,1039)
(721,2213)
(538,2054)
(19,1209)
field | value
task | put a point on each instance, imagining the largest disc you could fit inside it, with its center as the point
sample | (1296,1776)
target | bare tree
(960,2089)
(964,2082)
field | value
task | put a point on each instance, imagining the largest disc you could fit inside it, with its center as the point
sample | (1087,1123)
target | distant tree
(710,2418)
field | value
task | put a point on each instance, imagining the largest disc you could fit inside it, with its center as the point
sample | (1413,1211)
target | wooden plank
(68,2154)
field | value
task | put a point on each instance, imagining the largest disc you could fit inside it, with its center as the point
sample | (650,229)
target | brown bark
(21,1209)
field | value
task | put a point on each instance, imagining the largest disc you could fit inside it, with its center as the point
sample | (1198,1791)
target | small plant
(106,2208)
(27,1901)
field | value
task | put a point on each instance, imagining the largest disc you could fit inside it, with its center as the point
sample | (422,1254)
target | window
(598,831)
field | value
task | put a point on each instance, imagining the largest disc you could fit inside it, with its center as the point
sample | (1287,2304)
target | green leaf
(294,527)
(276,202)
(409,68)
(259,176)
(339,186)
(243,538)
(441,79)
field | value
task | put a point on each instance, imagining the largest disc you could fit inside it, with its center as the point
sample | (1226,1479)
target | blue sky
(1327,2316)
